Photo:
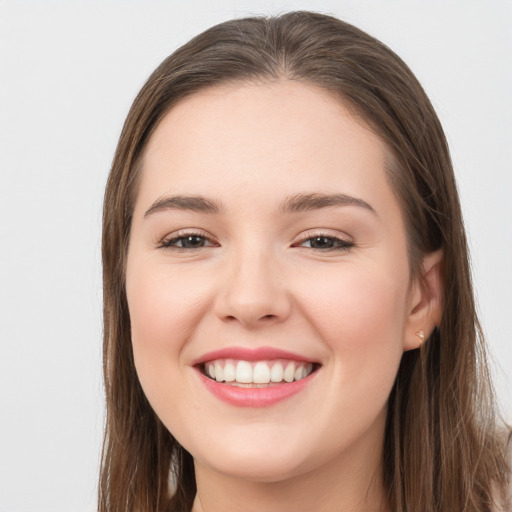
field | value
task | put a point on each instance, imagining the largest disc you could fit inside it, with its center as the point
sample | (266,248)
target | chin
(255,461)
(268,469)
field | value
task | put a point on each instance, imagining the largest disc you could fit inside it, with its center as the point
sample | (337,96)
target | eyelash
(181,236)
(339,244)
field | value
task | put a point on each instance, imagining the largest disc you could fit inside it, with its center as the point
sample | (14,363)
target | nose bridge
(253,292)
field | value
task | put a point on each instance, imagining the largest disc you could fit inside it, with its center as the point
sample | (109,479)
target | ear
(425,306)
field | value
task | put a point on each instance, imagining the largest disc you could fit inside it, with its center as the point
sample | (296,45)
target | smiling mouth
(257,374)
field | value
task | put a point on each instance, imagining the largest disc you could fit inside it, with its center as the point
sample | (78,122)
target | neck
(350,483)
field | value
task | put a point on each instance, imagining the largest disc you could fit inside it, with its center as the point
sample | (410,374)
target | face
(268,280)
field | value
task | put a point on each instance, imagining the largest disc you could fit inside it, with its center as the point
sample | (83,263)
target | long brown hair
(442,451)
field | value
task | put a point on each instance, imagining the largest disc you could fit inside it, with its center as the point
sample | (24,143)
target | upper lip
(250,354)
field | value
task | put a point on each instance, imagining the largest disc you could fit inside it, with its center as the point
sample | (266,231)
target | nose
(253,292)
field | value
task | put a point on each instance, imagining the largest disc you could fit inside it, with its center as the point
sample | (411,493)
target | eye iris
(322,242)
(192,241)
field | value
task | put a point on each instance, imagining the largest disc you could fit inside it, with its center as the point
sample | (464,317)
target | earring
(421,336)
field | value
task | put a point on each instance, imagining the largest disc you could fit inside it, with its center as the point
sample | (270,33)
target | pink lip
(250,354)
(254,397)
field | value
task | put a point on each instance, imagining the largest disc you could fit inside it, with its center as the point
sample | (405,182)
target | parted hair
(443,451)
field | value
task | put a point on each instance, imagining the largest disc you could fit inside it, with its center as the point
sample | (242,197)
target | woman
(289,319)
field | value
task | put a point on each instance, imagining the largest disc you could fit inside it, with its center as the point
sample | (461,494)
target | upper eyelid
(187,232)
(325,232)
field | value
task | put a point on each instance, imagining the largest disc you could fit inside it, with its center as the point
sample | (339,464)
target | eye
(326,243)
(186,242)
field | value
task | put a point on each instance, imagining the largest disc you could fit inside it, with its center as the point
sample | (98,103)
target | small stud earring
(421,336)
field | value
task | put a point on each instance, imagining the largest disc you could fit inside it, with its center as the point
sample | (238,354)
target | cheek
(163,314)
(360,317)
(360,314)
(162,307)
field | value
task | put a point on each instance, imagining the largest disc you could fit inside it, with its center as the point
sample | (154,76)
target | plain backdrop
(68,73)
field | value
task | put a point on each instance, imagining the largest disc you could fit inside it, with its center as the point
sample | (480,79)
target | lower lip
(255,397)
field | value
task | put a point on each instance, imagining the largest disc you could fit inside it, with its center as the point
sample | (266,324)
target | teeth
(244,372)
(289,373)
(276,374)
(260,372)
(229,372)
(219,372)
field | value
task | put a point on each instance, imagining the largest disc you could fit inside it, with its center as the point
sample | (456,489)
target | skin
(258,281)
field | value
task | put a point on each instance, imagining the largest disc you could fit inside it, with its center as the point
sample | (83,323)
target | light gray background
(68,73)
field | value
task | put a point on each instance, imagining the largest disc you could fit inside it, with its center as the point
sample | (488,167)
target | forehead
(269,139)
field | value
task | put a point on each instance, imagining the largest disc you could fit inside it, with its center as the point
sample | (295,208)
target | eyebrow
(295,203)
(192,203)
(316,201)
